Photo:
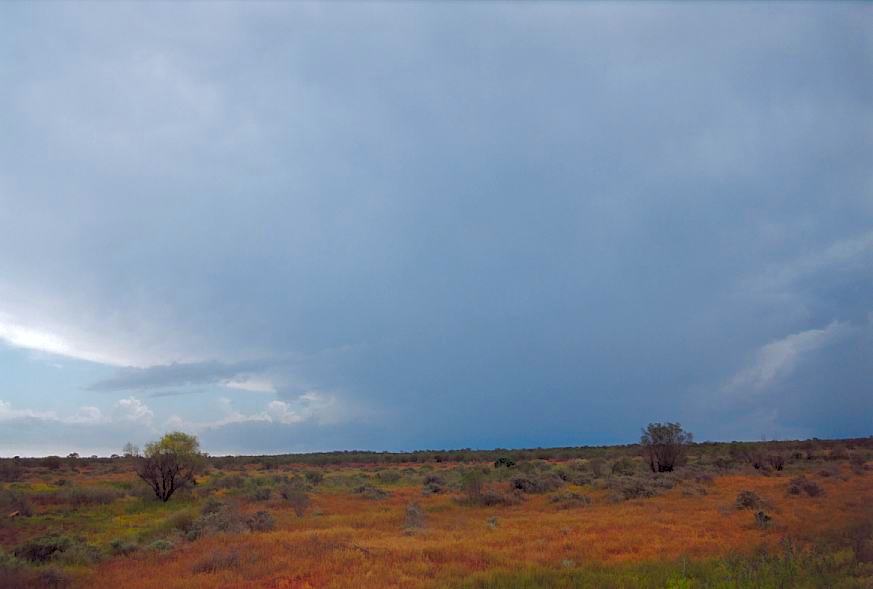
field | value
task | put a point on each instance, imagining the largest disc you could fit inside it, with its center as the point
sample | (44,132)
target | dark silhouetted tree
(664,445)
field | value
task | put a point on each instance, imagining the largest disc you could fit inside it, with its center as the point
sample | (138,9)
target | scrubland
(761,515)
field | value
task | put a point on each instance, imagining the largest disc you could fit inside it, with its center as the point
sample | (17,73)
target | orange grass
(347,541)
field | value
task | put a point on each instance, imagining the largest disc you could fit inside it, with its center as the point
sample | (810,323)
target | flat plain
(777,514)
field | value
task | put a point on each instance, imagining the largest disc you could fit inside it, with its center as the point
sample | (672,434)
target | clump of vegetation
(829,471)
(504,462)
(371,492)
(216,517)
(665,445)
(314,477)
(14,504)
(414,518)
(161,545)
(43,548)
(84,496)
(433,485)
(261,521)
(625,488)
(597,467)
(296,495)
(10,471)
(122,547)
(388,476)
(749,500)
(623,466)
(569,500)
(800,485)
(260,494)
(217,560)
(776,461)
(536,484)
(762,520)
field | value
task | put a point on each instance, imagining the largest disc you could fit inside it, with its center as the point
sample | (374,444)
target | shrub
(388,476)
(14,573)
(78,554)
(122,547)
(749,500)
(54,577)
(569,500)
(504,462)
(433,485)
(414,516)
(776,461)
(14,503)
(314,477)
(371,492)
(83,496)
(493,498)
(161,545)
(763,520)
(42,549)
(296,496)
(215,520)
(10,471)
(541,484)
(260,494)
(261,521)
(597,466)
(625,488)
(472,485)
(623,466)
(838,453)
(704,479)
(181,520)
(52,462)
(665,445)
(800,485)
(217,560)
(828,472)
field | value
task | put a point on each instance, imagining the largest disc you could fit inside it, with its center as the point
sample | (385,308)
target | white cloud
(83,416)
(132,409)
(7,413)
(20,335)
(86,416)
(778,359)
(842,254)
(282,412)
(313,405)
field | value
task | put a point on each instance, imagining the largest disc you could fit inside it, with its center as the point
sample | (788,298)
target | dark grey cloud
(487,224)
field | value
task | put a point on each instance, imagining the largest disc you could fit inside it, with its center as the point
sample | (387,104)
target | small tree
(130,450)
(664,445)
(170,463)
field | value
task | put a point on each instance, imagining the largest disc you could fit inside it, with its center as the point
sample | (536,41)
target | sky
(290,227)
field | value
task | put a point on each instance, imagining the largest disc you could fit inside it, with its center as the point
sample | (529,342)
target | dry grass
(363,543)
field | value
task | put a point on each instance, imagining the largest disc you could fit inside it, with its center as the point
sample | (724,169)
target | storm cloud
(437,225)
